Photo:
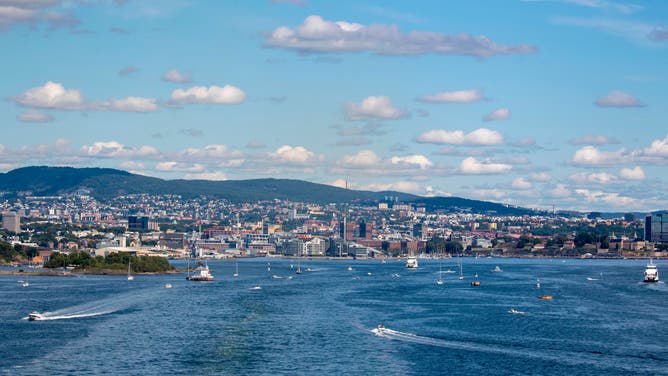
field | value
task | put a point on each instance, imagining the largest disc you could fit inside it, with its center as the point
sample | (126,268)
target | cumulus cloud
(399,186)
(540,176)
(363,158)
(658,148)
(594,178)
(471,165)
(131,166)
(217,154)
(373,107)
(227,94)
(493,194)
(295,155)
(612,199)
(560,191)
(55,96)
(414,160)
(114,149)
(35,117)
(591,156)
(593,140)
(521,183)
(481,136)
(174,75)
(339,183)
(318,35)
(618,99)
(173,166)
(498,114)
(460,96)
(635,173)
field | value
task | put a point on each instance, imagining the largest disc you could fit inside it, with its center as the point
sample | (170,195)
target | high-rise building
(141,223)
(11,221)
(656,228)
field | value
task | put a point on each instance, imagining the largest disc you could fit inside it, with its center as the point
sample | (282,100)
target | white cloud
(297,155)
(498,114)
(373,107)
(417,160)
(493,194)
(598,4)
(363,158)
(613,199)
(521,183)
(460,96)
(175,76)
(53,95)
(481,136)
(35,117)
(33,12)
(212,95)
(471,165)
(340,183)
(658,148)
(172,166)
(399,186)
(560,191)
(319,35)
(618,99)
(540,176)
(131,166)
(635,173)
(591,156)
(114,149)
(216,176)
(595,178)
(593,140)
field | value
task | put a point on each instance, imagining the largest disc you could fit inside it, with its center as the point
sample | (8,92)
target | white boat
(35,316)
(276,276)
(201,273)
(25,284)
(168,285)
(449,271)
(268,266)
(651,273)
(497,269)
(130,276)
(461,273)
(516,312)
(439,281)
(350,268)
(236,269)
(257,287)
(411,262)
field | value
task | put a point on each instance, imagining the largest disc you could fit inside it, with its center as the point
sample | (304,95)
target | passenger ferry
(651,273)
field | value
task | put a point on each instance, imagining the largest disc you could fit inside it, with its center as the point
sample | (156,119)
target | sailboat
(461,274)
(299,269)
(268,266)
(236,268)
(439,281)
(130,276)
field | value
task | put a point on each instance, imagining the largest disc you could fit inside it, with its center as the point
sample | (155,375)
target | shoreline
(72,273)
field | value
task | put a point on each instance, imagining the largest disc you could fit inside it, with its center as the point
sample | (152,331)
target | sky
(538,103)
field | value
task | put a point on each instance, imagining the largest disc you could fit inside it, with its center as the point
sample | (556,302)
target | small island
(113,263)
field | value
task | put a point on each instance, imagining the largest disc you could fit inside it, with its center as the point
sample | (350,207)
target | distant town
(173,227)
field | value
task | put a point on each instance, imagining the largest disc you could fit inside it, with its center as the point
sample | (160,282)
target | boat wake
(91,309)
(561,356)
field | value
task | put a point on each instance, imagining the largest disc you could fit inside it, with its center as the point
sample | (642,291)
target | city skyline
(531,103)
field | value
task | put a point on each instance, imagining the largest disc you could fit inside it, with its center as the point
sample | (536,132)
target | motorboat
(380,329)
(545,297)
(412,262)
(515,312)
(475,283)
(276,276)
(258,287)
(651,273)
(35,316)
(350,268)
(201,273)
(439,281)
(25,284)
(497,269)
(168,285)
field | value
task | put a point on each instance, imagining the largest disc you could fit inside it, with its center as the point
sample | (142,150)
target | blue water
(321,322)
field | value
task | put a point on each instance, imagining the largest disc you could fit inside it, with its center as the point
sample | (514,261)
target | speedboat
(545,297)
(168,285)
(412,262)
(515,312)
(35,316)
(202,273)
(651,273)
(380,329)
(258,287)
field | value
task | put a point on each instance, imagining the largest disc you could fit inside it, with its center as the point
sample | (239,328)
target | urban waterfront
(602,320)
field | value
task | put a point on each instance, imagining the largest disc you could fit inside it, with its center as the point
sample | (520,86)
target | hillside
(105,183)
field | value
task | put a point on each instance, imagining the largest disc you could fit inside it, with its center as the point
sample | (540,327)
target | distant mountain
(106,183)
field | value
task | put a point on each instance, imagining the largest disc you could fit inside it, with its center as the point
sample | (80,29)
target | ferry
(651,273)
(412,262)
(202,273)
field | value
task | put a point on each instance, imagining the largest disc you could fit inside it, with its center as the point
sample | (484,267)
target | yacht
(34,316)
(201,273)
(412,262)
(651,273)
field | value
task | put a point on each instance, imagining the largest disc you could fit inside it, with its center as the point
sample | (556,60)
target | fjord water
(601,320)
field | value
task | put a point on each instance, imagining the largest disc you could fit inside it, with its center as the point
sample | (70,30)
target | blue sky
(534,103)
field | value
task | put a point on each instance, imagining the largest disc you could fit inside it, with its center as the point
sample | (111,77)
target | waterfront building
(656,228)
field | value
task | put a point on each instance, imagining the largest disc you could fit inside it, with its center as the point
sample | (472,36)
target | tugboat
(202,273)
(651,273)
